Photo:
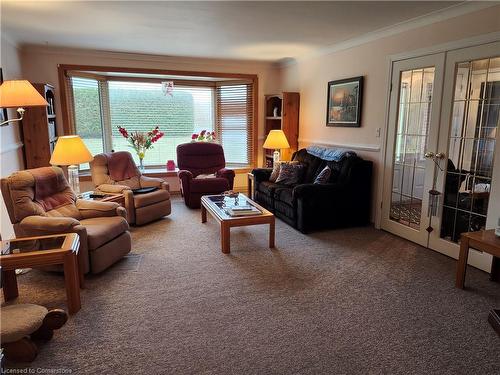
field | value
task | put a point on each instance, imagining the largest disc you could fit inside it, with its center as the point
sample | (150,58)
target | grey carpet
(350,301)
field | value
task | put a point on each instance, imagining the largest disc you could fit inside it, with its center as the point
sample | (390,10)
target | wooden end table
(212,204)
(484,240)
(43,251)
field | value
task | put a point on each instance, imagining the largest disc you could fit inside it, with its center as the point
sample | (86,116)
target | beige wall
(11,159)
(309,76)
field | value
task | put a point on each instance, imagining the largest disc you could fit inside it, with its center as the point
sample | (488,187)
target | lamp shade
(70,150)
(21,93)
(276,140)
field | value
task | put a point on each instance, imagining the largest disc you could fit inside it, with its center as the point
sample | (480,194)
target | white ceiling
(241,30)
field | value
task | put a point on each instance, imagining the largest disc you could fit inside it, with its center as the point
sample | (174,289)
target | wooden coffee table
(212,204)
(43,251)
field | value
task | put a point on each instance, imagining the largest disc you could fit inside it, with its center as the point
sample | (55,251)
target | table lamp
(19,94)
(276,140)
(71,151)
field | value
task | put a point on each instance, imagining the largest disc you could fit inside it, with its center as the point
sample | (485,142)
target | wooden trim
(157,172)
(255,130)
(61,72)
(66,67)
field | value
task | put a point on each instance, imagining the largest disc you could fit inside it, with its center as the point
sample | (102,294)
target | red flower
(194,136)
(203,132)
(123,132)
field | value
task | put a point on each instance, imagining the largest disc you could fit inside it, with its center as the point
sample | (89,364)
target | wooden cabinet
(39,130)
(282,112)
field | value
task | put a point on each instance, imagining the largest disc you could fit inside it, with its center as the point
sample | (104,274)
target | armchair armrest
(146,181)
(110,188)
(35,225)
(90,209)
(228,174)
(185,175)
(261,174)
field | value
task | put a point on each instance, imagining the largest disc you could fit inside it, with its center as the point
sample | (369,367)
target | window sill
(162,172)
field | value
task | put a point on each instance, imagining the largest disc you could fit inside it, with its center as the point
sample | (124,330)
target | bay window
(98,103)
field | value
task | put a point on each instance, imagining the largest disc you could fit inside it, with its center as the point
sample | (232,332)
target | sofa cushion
(310,162)
(284,194)
(267,188)
(290,174)
(103,229)
(142,200)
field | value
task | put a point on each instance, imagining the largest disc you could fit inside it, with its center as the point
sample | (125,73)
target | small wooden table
(484,240)
(212,204)
(43,251)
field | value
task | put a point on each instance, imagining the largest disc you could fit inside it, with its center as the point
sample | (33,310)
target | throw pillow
(290,174)
(276,171)
(323,176)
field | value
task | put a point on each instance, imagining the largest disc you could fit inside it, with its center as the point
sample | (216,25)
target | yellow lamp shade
(21,93)
(276,140)
(70,150)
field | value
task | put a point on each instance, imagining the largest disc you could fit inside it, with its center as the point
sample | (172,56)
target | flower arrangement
(141,141)
(204,136)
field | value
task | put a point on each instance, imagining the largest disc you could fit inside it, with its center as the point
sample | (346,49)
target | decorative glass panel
(474,123)
(414,112)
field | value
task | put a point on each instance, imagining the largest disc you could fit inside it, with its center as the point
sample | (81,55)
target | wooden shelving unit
(282,112)
(40,129)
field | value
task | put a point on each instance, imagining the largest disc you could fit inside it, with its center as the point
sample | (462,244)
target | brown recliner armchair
(40,202)
(116,172)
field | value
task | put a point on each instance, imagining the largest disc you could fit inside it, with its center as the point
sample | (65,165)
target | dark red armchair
(198,158)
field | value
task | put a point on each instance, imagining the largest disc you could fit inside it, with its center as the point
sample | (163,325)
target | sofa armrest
(147,181)
(111,188)
(38,225)
(261,174)
(228,174)
(90,209)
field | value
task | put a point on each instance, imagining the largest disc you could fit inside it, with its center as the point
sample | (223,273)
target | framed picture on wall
(343,107)
(3,111)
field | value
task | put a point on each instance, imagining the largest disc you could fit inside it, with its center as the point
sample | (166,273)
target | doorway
(441,169)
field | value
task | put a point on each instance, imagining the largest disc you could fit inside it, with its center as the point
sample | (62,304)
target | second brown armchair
(116,172)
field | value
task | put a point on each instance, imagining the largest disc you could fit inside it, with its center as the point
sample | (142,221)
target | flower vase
(141,164)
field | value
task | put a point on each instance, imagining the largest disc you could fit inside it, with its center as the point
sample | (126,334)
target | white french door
(442,174)
(469,135)
(416,89)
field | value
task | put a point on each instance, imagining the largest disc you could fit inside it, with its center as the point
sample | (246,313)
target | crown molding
(143,57)
(414,23)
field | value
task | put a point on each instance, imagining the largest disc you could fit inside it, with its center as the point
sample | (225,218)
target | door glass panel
(474,124)
(414,112)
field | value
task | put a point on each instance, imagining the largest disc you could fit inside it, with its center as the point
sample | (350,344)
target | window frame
(65,95)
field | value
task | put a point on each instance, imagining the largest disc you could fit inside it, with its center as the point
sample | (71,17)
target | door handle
(432,155)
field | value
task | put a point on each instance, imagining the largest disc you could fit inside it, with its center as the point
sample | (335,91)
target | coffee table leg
(462,262)
(271,233)
(203,214)
(225,234)
(72,281)
(9,280)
